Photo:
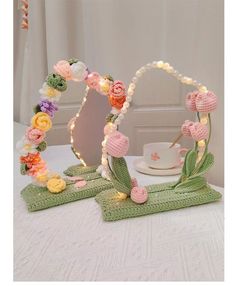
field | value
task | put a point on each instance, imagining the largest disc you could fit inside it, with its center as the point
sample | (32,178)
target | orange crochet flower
(37,169)
(31,159)
(117,101)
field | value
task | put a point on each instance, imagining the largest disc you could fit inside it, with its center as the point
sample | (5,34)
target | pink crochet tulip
(191,100)
(185,128)
(134,182)
(35,136)
(206,102)
(93,80)
(63,69)
(198,131)
(139,195)
(117,144)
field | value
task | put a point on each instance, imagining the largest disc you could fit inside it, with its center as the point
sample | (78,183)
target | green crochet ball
(56,81)
(42,146)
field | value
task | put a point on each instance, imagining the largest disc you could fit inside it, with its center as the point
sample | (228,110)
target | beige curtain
(55,32)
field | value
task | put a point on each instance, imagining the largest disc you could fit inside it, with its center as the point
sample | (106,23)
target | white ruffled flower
(49,93)
(24,147)
(79,71)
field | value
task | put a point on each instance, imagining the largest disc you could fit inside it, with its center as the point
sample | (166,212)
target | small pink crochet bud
(63,69)
(93,80)
(117,144)
(191,100)
(139,195)
(185,128)
(199,131)
(206,102)
(134,182)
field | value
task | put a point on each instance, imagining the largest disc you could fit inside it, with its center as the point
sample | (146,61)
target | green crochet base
(39,198)
(160,199)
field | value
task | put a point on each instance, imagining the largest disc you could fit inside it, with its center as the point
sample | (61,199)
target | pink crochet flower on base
(34,135)
(63,68)
(117,144)
(199,131)
(185,128)
(191,100)
(93,80)
(206,102)
(139,195)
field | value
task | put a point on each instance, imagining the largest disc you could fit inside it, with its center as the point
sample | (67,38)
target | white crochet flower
(24,147)
(79,71)
(49,93)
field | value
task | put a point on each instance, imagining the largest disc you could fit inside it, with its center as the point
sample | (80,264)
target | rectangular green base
(160,199)
(39,198)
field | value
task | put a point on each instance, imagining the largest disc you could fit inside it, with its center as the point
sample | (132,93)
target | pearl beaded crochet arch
(128,199)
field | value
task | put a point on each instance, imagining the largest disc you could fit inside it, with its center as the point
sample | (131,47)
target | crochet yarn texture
(161,198)
(38,198)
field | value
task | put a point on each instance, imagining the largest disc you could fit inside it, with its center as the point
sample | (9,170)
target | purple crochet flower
(48,107)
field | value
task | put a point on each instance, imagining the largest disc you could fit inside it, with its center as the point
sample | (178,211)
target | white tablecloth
(72,242)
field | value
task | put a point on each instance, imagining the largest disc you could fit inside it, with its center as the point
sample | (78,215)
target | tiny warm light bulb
(204,118)
(203,89)
(121,196)
(201,143)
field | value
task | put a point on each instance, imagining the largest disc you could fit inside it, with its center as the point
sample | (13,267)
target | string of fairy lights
(203,117)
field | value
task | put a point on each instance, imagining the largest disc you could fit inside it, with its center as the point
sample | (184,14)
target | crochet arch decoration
(197,161)
(33,142)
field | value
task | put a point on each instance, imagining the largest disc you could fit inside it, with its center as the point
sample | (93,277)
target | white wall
(117,37)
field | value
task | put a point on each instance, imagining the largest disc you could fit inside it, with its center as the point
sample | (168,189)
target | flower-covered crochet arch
(197,161)
(33,142)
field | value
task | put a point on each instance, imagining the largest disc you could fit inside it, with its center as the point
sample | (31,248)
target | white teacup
(160,156)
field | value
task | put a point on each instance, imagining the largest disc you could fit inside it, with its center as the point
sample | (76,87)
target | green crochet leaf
(119,186)
(72,61)
(206,165)
(42,146)
(185,163)
(120,170)
(23,169)
(191,158)
(191,185)
(36,108)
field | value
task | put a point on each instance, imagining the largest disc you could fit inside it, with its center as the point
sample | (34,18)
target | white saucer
(142,167)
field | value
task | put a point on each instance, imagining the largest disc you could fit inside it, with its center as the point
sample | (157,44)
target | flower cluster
(33,142)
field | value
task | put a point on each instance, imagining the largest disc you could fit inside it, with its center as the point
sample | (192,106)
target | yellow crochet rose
(41,121)
(56,185)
